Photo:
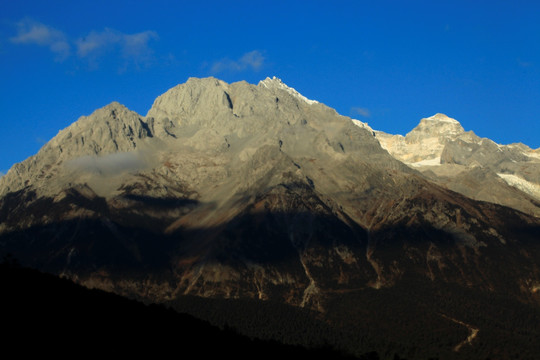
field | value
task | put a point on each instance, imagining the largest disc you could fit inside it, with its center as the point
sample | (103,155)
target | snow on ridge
(275,82)
(532,155)
(361,124)
(522,184)
(428,162)
(364,125)
(442,118)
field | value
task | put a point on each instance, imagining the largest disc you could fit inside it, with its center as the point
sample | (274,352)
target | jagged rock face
(475,167)
(482,153)
(240,190)
(108,131)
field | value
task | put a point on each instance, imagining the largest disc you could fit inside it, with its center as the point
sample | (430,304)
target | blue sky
(388,63)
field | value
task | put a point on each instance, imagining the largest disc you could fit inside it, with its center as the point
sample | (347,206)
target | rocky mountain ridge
(241,191)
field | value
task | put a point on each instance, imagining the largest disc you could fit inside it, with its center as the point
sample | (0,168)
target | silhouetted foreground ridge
(43,314)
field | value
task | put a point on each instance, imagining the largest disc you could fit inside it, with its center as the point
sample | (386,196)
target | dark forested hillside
(414,320)
(45,315)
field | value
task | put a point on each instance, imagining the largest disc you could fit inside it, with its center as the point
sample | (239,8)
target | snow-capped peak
(277,83)
(442,118)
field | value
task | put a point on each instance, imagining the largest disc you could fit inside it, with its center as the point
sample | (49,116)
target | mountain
(240,195)
(476,167)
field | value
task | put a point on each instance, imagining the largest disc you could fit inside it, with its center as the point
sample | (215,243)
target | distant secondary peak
(206,80)
(442,118)
(438,124)
(113,109)
(115,105)
(277,83)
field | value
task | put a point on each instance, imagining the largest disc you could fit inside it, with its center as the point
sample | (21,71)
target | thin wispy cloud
(363,112)
(130,49)
(35,33)
(524,64)
(112,164)
(252,60)
(135,46)
(96,43)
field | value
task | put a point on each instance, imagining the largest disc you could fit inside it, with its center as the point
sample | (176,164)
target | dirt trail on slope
(473,332)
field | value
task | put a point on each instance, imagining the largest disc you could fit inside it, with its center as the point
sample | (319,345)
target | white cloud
(131,45)
(524,64)
(129,48)
(2,173)
(137,44)
(252,60)
(111,164)
(96,42)
(33,32)
(361,111)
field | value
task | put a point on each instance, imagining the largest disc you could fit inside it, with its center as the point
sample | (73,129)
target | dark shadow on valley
(45,315)
(404,320)
(163,203)
(128,242)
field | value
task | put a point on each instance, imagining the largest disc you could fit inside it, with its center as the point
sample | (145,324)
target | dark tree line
(411,320)
(45,315)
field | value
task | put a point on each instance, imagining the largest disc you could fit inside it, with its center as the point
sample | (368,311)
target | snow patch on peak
(270,82)
(363,125)
(521,184)
(428,162)
(442,118)
(277,83)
